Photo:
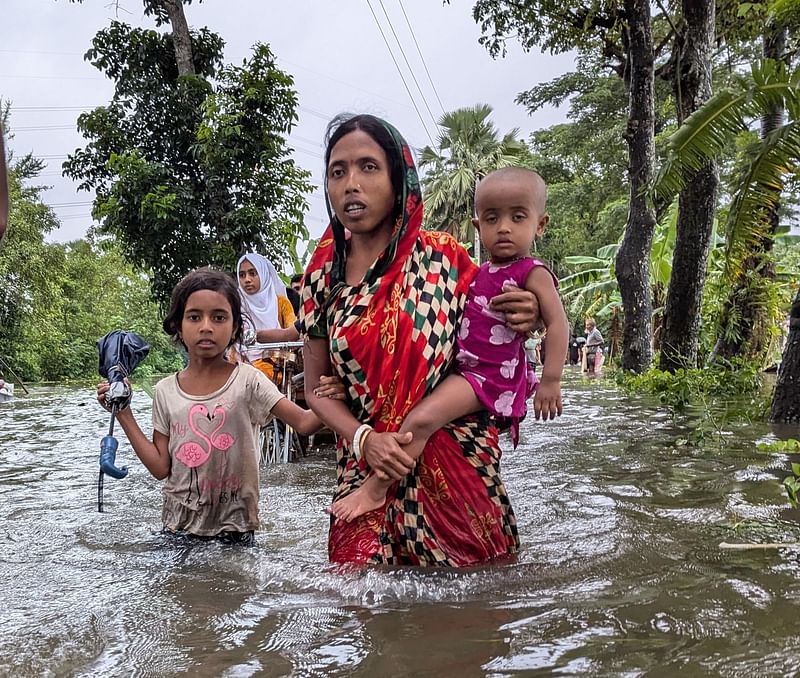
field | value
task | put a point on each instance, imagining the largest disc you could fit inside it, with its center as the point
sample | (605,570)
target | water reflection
(621,571)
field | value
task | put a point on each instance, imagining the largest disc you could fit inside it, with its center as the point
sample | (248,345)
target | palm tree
(468,148)
(751,226)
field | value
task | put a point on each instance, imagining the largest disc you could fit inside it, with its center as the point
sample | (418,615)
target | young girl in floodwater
(207,416)
(492,372)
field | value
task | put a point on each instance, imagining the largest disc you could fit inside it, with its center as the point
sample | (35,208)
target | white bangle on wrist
(361,431)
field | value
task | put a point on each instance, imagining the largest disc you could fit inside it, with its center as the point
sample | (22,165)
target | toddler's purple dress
(490,356)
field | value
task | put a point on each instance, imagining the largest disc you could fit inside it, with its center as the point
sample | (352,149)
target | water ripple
(620,571)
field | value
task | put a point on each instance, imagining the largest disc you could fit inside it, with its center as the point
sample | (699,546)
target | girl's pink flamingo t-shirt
(213,483)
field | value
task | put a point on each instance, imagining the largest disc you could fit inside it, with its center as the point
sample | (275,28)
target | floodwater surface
(621,573)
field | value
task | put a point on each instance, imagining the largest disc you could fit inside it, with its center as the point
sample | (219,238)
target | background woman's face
(249,279)
(359,183)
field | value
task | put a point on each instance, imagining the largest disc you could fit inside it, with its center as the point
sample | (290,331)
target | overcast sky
(334,50)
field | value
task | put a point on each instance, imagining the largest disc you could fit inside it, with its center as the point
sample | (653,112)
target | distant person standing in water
(593,350)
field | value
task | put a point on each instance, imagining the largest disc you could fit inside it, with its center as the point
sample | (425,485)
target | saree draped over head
(392,340)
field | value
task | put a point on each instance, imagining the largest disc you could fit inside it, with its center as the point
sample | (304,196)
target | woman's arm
(290,333)
(384,452)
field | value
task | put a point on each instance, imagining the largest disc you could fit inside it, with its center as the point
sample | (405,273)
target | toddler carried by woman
(492,372)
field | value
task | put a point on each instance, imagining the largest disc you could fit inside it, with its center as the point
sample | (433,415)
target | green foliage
(57,300)
(94,291)
(707,133)
(791,483)
(192,170)
(687,386)
(550,25)
(26,261)
(788,445)
(593,290)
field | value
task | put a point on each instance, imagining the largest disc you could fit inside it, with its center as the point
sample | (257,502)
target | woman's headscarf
(324,276)
(262,307)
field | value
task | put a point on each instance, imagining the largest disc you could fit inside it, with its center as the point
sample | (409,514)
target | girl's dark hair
(344,123)
(203,279)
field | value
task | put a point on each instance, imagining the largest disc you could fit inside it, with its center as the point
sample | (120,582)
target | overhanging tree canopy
(195,169)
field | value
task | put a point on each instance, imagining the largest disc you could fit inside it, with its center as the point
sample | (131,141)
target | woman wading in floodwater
(383,306)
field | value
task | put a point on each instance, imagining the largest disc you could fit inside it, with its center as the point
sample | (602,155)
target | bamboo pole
(727,546)
(15,375)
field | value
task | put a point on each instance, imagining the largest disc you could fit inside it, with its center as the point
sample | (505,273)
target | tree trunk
(743,322)
(180,36)
(697,201)
(786,402)
(632,261)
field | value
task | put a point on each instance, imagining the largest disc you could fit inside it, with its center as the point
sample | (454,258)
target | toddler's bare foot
(368,497)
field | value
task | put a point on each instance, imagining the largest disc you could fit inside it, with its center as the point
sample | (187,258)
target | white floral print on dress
(509,368)
(501,335)
(463,331)
(505,403)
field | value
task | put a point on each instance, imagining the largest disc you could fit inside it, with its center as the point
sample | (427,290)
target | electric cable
(400,72)
(422,58)
(408,65)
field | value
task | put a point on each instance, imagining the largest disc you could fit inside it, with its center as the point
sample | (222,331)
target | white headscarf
(262,307)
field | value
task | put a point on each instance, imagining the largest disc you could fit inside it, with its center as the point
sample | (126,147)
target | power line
(61,205)
(287,61)
(408,65)
(51,77)
(400,72)
(42,128)
(67,217)
(42,109)
(422,58)
(37,51)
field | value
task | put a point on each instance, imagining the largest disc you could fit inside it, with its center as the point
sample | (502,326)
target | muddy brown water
(620,574)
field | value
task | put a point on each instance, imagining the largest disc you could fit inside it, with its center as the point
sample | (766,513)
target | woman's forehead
(356,143)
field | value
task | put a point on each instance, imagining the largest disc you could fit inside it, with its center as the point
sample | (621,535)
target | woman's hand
(520,306)
(330,387)
(384,454)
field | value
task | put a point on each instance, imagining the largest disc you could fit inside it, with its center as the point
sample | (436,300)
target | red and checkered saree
(392,340)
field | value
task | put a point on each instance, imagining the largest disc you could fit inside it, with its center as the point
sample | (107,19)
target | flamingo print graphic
(193,454)
(224,440)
